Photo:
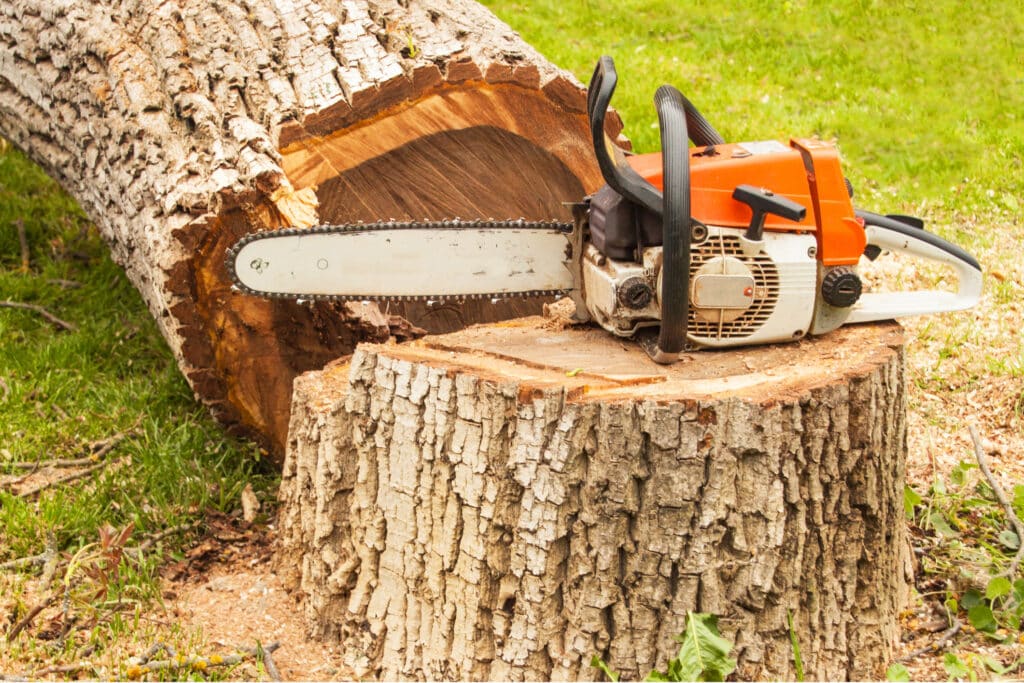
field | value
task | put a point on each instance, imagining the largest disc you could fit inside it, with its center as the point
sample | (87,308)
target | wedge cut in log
(508,501)
(182,125)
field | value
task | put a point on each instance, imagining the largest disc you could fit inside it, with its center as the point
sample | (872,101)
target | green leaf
(954,667)
(1018,499)
(998,587)
(959,474)
(911,499)
(994,665)
(704,654)
(798,661)
(1009,539)
(897,672)
(1018,591)
(657,676)
(599,663)
(940,525)
(981,618)
(971,598)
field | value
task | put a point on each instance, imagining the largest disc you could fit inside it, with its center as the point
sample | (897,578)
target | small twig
(1018,527)
(61,669)
(27,619)
(64,284)
(268,663)
(23,562)
(154,650)
(150,541)
(99,449)
(6,389)
(266,648)
(67,478)
(946,636)
(42,559)
(137,670)
(52,563)
(23,241)
(41,311)
(56,462)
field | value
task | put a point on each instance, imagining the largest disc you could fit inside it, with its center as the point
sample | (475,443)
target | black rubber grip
(675,268)
(617,172)
(698,128)
(903,228)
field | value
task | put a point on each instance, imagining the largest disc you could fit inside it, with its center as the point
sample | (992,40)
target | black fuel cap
(841,287)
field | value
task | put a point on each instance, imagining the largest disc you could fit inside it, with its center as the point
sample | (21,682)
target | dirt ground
(227,590)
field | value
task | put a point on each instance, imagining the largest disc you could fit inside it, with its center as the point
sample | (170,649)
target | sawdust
(227,593)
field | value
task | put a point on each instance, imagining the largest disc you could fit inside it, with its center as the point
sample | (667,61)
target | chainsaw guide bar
(252,258)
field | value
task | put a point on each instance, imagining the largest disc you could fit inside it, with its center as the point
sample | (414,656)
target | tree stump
(182,125)
(508,501)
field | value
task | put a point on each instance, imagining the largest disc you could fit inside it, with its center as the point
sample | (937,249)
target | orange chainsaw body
(808,172)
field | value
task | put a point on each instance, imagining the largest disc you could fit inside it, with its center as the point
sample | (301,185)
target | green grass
(926,99)
(112,374)
(64,390)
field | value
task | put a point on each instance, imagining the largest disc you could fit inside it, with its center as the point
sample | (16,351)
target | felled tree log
(182,125)
(508,501)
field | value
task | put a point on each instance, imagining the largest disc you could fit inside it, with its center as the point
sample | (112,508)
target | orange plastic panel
(808,172)
(841,238)
(714,177)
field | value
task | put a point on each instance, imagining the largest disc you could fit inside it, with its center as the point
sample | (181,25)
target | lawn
(926,101)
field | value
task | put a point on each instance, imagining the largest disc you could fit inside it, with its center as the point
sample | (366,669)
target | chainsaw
(715,245)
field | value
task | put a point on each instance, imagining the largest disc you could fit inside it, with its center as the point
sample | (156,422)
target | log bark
(508,501)
(182,125)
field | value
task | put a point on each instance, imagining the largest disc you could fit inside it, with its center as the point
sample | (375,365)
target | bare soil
(228,590)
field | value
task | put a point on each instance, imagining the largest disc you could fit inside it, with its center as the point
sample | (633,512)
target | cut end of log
(509,500)
(434,148)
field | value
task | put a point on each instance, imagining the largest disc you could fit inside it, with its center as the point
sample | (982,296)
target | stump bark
(181,125)
(508,501)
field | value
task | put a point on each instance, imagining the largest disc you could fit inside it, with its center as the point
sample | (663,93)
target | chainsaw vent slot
(711,258)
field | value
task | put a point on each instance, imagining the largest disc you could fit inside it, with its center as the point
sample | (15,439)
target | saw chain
(453,224)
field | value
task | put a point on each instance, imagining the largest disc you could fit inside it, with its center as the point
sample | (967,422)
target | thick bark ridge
(181,125)
(455,513)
